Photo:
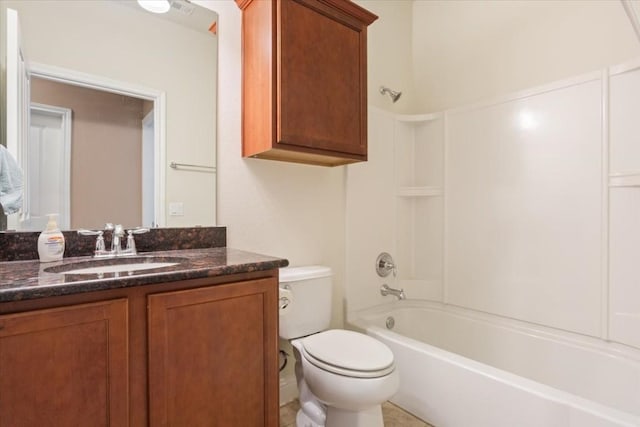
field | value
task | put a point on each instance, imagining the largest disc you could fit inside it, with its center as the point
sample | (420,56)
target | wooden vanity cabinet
(202,352)
(212,356)
(304,96)
(65,366)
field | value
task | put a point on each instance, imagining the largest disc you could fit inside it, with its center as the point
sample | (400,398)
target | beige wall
(389,61)
(147,107)
(466,51)
(128,45)
(289,210)
(106,152)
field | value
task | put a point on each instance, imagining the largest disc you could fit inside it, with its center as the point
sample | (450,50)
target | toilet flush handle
(284,302)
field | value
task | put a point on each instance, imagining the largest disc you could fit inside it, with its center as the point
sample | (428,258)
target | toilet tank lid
(293,274)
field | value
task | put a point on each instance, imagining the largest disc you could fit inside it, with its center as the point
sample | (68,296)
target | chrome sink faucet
(386,290)
(117,234)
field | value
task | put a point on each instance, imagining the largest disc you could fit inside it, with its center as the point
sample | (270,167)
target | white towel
(10,182)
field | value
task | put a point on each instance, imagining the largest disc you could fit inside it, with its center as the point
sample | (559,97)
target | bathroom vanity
(194,343)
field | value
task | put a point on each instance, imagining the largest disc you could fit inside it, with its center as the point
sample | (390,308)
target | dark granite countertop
(23,280)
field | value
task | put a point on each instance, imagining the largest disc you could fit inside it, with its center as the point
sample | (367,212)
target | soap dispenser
(51,241)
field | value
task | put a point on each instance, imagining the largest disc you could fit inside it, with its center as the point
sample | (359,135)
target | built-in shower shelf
(418,117)
(624,180)
(419,191)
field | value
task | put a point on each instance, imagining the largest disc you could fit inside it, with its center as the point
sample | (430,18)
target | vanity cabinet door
(66,366)
(213,356)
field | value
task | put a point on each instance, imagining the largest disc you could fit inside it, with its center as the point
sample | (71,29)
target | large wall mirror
(122,114)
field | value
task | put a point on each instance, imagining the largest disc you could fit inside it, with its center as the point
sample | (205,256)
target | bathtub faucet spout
(386,290)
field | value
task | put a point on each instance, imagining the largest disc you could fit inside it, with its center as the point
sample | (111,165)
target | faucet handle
(385,265)
(139,230)
(100,248)
(131,243)
(84,232)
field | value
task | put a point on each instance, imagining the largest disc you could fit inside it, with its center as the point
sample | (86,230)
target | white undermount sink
(115,265)
(119,268)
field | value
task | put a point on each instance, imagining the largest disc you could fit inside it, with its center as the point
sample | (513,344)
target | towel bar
(175,165)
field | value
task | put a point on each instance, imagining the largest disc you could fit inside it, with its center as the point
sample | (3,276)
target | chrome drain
(391,322)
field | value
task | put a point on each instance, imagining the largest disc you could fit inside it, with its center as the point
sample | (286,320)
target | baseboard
(288,389)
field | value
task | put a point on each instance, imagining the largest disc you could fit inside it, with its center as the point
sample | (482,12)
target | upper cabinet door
(322,82)
(305,80)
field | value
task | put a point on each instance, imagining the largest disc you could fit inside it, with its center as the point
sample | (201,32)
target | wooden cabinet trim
(344,12)
(348,8)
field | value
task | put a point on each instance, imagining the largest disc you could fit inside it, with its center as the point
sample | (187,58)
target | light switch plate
(176,209)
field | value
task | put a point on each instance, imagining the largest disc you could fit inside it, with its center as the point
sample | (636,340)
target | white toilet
(343,376)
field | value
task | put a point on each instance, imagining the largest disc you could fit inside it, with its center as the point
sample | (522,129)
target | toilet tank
(308,291)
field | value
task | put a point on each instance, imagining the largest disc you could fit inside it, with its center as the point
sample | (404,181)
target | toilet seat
(348,353)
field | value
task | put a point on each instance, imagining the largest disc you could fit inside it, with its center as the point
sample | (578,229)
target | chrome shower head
(392,93)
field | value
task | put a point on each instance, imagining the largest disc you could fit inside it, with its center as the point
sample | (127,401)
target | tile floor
(393,416)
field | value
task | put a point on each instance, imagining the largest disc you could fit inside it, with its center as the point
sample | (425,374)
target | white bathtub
(460,368)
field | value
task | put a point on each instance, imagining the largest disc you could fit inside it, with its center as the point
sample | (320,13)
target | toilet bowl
(350,373)
(343,376)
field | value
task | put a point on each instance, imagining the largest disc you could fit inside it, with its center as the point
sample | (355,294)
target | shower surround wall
(461,53)
(525,206)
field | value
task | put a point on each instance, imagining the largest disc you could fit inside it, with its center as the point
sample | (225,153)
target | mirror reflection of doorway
(106,161)
(109,172)
(148,170)
(49,152)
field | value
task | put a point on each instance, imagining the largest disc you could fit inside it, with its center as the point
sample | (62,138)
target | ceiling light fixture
(155,6)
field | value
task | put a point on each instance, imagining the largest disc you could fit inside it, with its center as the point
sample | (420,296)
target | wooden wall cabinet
(202,352)
(304,93)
